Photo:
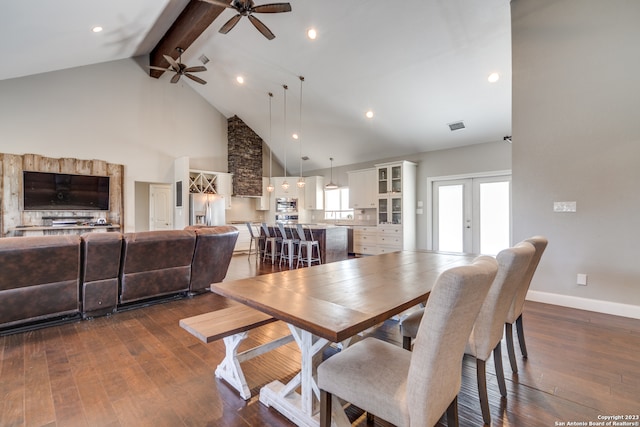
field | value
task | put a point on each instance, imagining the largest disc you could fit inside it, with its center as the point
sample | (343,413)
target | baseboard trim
(599,306)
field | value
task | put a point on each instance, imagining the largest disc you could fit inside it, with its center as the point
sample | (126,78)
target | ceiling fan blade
(261,27)
(196,79)
(218,3)
(159,68)
(195,69)
(175,78)
(173,62)
(272,8)
(228,26)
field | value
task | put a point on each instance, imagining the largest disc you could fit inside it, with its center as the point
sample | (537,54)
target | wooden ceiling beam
(193,21)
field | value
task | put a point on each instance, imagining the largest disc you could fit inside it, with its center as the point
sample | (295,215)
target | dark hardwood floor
(139,368)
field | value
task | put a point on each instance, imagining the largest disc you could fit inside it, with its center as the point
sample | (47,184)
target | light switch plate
(564,206)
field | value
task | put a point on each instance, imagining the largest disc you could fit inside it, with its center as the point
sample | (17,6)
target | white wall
(576,137)
(478,158)
(115,112)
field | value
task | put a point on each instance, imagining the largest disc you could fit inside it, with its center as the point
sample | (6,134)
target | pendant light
(331,185)
(270,186)
(300,183)
(285,184)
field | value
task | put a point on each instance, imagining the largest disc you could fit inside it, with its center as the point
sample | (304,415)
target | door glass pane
(450,218)
(494,217)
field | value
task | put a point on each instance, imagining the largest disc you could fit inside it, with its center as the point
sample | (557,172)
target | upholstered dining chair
(486,335)
(515,311)
(413,388)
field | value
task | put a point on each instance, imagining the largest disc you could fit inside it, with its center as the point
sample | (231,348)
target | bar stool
(271,242)
(256,239)
(288,246)
(309,245)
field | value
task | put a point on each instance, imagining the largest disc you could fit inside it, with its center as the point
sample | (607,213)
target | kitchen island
(332,239)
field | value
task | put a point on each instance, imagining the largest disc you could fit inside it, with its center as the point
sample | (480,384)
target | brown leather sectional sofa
(52,278)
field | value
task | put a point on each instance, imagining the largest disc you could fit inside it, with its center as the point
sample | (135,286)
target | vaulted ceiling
(419,65)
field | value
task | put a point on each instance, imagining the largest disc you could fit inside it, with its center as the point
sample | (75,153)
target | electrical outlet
(582,279)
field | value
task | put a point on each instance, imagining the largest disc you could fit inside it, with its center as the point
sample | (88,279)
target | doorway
(471,214)
(160,207)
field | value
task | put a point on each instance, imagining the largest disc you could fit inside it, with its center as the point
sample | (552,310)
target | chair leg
(406,343)
(520,329)
(325,409)
(508,333)
(370,418)
(452,413)
(497,361)
(481,374)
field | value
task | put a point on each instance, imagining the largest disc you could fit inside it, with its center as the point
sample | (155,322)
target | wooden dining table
(331,303)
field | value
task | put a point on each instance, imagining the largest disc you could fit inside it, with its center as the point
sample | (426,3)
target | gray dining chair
(486,336)
(412,388)
(515,311)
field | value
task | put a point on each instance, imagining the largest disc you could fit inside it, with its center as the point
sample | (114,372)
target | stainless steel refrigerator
(206,209)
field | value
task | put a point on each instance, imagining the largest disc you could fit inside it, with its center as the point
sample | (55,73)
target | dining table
(331,303)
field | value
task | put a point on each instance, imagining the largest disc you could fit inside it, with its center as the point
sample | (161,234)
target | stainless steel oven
(284,204)
(287,218)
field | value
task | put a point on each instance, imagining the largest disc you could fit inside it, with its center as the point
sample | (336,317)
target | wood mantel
(12,214)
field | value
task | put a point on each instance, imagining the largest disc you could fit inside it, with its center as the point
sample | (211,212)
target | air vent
(456,125)
(203,59)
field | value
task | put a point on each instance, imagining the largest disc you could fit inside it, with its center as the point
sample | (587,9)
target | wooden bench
(233,324)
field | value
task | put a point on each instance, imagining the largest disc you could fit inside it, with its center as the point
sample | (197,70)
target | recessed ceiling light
(97,29)
(240,79)
(493,77)
(312,33)
(295,136)
(369,114)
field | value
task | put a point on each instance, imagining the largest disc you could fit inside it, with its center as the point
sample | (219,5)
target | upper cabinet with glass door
(396,187)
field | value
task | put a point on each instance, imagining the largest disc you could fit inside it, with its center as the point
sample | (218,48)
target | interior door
(472,215)
(160,207)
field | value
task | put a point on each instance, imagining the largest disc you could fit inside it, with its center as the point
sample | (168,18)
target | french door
(472,215)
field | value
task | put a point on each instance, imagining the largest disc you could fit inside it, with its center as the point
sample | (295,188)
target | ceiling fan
(247,8)
(180,69)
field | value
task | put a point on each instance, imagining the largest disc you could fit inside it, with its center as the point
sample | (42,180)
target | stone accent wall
(244,158)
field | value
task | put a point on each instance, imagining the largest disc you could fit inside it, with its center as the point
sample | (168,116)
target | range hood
(244,158)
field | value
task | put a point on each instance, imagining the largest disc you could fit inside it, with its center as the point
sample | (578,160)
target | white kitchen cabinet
(396,197)
(244,238)
(262,202)
(314,192)
(362,189)
(365,240)
(225,187)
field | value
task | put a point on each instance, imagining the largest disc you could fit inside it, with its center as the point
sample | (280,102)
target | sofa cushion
(212,255)
(155,263)
(39,278)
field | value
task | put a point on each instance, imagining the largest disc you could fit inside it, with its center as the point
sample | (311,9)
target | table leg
(301,408)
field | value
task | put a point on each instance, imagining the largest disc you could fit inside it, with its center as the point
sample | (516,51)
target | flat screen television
(46,191)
